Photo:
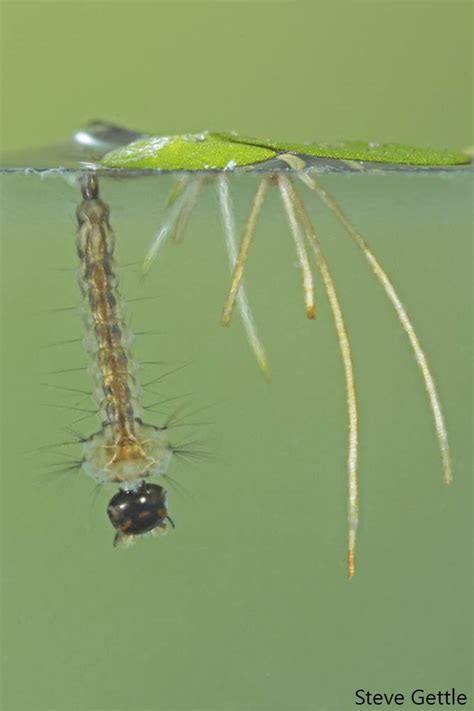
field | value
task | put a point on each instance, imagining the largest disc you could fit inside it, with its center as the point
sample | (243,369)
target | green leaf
(361,150)
(199,151)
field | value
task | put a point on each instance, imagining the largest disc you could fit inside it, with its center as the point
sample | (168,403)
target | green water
(246,605)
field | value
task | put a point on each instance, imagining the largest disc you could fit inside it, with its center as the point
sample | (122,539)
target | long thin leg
(227,212)
(182,220)
(298,217)
(187,196)
(244,251)
(176,189)
(297,163)
(404,319)
(308,288)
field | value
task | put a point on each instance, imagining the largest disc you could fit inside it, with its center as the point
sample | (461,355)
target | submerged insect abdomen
(111,362)
(125,450)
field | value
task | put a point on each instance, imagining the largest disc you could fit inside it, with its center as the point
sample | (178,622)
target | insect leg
(404,319)
(244,251)
(227,212)
(298,218)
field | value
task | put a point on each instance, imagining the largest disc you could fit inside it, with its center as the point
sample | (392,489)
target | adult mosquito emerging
(209,157)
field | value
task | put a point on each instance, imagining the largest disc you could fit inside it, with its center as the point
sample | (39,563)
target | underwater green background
(246,605)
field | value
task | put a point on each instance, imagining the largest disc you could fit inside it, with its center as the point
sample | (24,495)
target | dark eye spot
(138,510)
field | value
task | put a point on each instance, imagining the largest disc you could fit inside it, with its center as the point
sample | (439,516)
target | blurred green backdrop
(378,70)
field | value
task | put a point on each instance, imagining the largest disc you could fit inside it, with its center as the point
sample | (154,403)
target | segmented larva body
(124,450)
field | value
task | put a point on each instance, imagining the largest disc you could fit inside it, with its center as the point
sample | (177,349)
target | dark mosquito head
(138,510)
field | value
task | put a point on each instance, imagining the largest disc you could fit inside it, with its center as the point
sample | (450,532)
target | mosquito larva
(125,450)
